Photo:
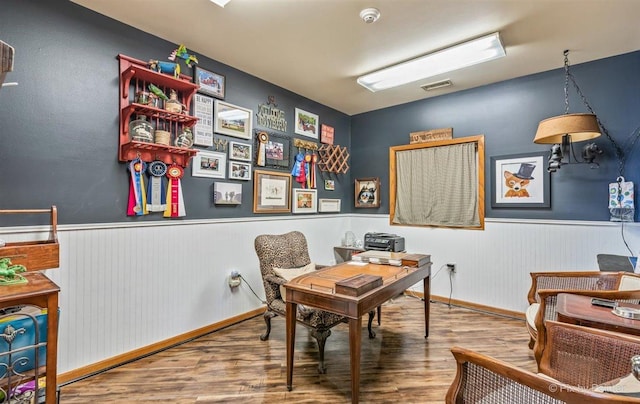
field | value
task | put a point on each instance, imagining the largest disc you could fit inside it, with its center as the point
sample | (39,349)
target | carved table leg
(372,334)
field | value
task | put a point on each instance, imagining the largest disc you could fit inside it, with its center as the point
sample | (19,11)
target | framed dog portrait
(520,181)
(367,192)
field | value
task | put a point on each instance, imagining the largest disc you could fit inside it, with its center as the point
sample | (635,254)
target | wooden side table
(41,292)
(578,310)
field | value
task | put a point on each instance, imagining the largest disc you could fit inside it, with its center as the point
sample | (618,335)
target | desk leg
(52,348)
(355,338)
(426,286)
(291,341)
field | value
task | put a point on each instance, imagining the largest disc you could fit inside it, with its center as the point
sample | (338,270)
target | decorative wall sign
(203,110)
(275,150)
(520,181)
(305,200)
(271,117)
(328,205)
(271,192)
(430,135)
(367,193)
(209,164)
(240,151)
(210,83)
(227,193)
(232,120)
(326,134)
(307,123)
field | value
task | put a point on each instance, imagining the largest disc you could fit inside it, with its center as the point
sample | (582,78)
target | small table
(317,289)
(578,310)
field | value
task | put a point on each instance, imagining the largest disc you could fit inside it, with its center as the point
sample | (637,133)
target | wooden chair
(545,287)
(290,251)
(575,361)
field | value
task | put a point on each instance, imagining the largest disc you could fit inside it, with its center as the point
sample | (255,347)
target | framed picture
(305,200)
(227,193)
(239,171)
(239,151)
(210,83)
(328,205)
(329,185)
(307,123)
(367,192)
(203,110)
(326,134)
(209,164)
(272,150)
(232,120)
(520,181)
(271,192)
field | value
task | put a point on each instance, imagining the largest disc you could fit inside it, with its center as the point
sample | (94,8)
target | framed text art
(367,192)
(232,120)
(210,83)
(271,192)
(203,110)
(239,171)
(227,193)
(272,150)
(209,164)
(306,123)
(239,151)
(326,205)
(520,181)
(305,200)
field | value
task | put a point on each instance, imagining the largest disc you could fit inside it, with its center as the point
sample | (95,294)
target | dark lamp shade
(578,126)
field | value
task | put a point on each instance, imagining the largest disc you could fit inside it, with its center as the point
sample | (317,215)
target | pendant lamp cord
(620,153)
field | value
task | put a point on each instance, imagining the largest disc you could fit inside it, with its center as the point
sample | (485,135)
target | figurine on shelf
(185,139)
(157,92)
(172,104)
(160,66)
(181,53)
(9,274)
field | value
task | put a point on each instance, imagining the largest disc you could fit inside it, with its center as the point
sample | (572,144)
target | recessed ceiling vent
(436,85)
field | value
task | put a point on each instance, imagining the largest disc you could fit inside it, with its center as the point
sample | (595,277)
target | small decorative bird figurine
(155,90)
(182,53)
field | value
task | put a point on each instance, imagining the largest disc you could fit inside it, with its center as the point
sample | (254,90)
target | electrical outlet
(234,279)
(451,266)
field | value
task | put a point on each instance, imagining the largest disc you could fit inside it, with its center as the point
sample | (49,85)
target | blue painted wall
(508,113)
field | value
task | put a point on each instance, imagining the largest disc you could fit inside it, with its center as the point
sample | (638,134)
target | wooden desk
(317,289)
(578,310)
(41,292)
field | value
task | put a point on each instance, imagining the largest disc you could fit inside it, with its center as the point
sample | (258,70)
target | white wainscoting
(126,286)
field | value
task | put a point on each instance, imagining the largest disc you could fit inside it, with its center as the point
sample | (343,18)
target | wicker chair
(545,287)
(576,360)
(290,251)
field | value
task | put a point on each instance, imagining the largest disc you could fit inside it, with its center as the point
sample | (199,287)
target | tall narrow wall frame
(393,197)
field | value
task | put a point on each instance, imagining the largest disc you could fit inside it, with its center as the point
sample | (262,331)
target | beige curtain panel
(437,186)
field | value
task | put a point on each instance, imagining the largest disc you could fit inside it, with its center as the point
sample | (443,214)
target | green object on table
(9,274)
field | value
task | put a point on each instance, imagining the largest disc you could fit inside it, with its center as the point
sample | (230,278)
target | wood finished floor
(233,365)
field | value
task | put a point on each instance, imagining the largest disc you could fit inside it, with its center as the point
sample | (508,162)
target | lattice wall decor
(333,159)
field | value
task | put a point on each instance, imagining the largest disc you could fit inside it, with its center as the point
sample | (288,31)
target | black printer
(383,242)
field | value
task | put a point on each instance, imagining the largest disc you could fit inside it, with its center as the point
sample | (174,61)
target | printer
(383,242)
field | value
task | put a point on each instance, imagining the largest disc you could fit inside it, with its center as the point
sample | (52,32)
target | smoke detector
(370,15)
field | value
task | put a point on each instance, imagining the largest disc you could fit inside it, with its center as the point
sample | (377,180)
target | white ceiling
(317,48)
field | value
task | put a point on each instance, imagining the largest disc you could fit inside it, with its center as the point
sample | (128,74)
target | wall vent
(436,85)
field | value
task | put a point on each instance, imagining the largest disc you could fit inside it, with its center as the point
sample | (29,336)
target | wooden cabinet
(135,77)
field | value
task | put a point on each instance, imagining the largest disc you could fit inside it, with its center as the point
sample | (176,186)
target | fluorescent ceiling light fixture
(221,3)
(466,54)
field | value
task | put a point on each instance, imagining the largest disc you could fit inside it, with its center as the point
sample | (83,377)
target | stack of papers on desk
(380,257)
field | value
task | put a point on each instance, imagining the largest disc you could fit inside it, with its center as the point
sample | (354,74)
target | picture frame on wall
(210,83)
(232,120)
(227,193)
(209,164)
(271,192)
(367,192)
(239,171)
(520,181)
(240,151)
(307,123)
(203,110)
(328,205)
(276,149)
(305,200)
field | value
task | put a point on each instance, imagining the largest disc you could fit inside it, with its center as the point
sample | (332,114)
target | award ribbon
(156,192)
(137,205)
(175,205)
(312,173)
(263,138)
